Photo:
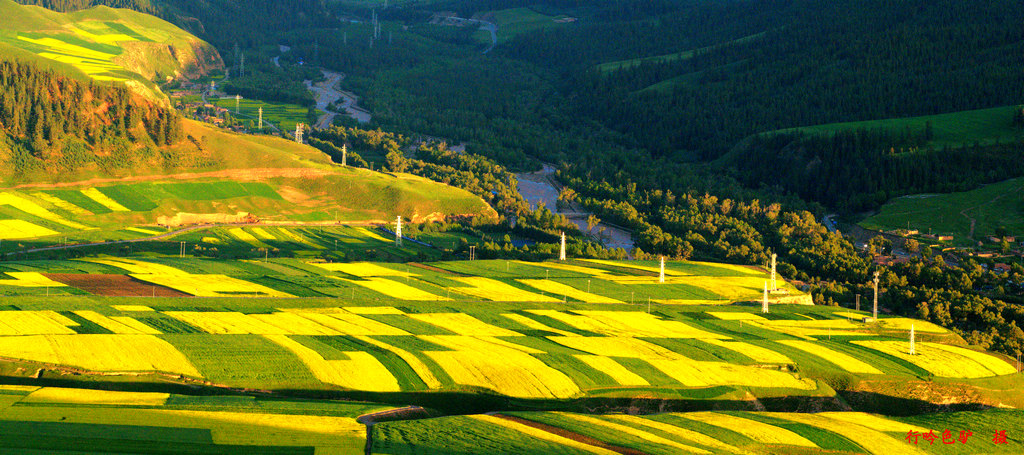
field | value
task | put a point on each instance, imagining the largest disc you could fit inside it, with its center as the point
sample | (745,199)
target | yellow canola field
(417,365)
(362,371)
(758,353)
(673,430)
(30,280)
(44,322)
(227,323)
(556,288)
(34,209)
(844,361)
(536,325)
(246,237)
(613,369)
(335,434)
(361,269)
(95,397)
(567,267)
(21,229)
(993,363)
(142,231)
(198,285)
(736,316)
(395,289)
(542,435)
(373,310)
(464,324)
(875,422)
(873,441)
(373,235)
(494,290)
(352,324)
(128,353)
(629,265)
(104,38)
(60,203)
(262,234)
(938,361)
(614,428)
(816,328)
(500,366)
(627,323)
(104,200)
(120,325)
(692,373)
(758,431)
(131,308)
(68,48)
(618,347)
(298,238)
(211,285)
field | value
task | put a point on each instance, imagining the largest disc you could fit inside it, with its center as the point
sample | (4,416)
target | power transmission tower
(298,133)
(661,272)
(764,299)
(561,252)
(774,287)
(912,352)
(398,231)
(241,69)
(874,311)
(238,99)
(344,154)
(261,118)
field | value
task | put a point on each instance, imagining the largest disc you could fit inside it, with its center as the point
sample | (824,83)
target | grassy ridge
(106,44)
(982,126)
(991,207)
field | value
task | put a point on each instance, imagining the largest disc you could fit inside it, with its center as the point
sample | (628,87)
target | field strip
(104,200)
(258,174)
(21,229)
(753,429)
(116,326)
(494,290)
(537,325)
(464,324)
(395,289)
(758,353)
(45,322)
(33,209)
(616,371)
(842,360)
(95,397)
(557,288)
(116,353)
(543,435)
(417,365)
(30,280)
(873,441)
(362,269)
(691,435)
(627,323)
(993,363)
(361,372)
(632,431)
(937,361)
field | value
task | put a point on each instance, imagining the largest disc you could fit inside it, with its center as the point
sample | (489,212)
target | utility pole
(241,69)
(858,302)
(774,286)
(472,252)
(874,311)
(344,154)
(238,99)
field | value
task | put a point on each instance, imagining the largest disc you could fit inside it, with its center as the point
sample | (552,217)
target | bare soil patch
(114,285)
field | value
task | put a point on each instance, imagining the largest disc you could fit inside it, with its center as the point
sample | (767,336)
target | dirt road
(327,92)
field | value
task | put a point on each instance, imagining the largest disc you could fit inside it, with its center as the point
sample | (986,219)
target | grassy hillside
(107,44)
(983,126)
(668,58)
(984,209)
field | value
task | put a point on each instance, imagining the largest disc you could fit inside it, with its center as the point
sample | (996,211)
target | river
(541,187)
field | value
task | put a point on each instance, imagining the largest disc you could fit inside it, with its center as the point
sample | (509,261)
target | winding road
(327,92)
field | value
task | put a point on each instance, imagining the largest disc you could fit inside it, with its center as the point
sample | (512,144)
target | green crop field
(987,208)
(515,21)
(667,58)
(282,115)
(983,126)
